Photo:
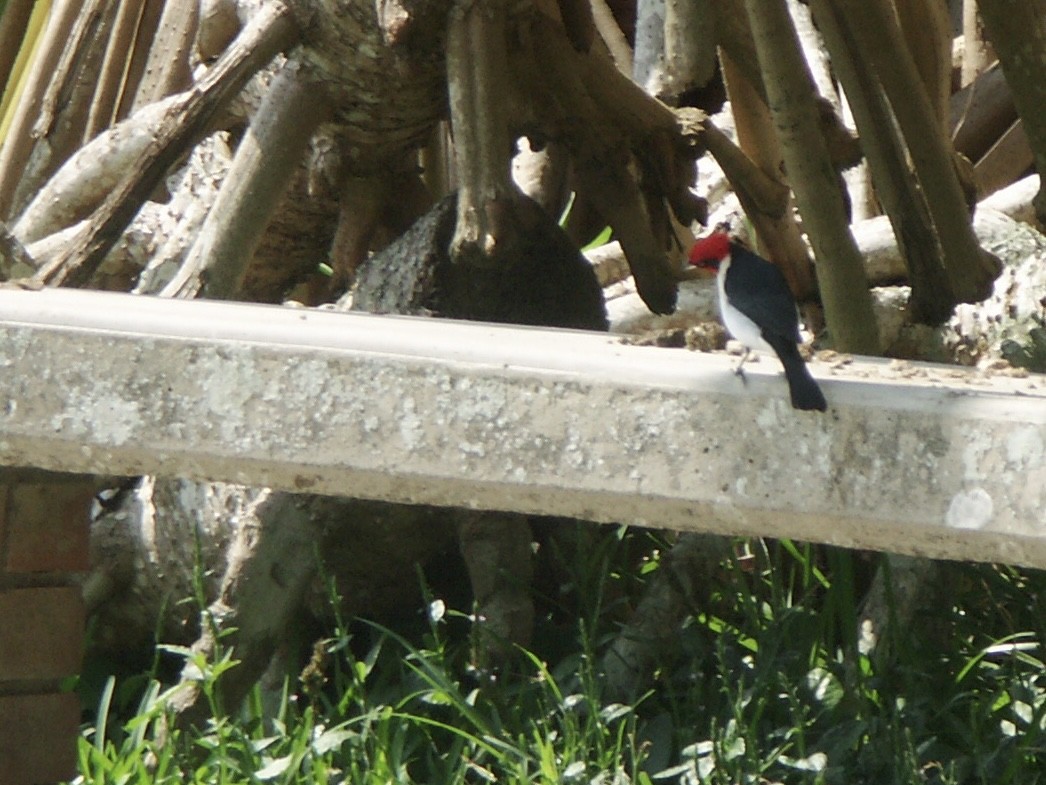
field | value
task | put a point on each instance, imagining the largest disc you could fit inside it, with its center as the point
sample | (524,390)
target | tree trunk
(185,122)
(261,172)
(1017,29)
(777,230)
(932,300)
(840,270)
(971,272)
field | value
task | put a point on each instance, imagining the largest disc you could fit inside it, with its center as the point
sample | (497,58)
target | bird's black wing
(759,290)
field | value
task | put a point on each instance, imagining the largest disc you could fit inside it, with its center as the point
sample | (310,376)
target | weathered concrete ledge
(913,459)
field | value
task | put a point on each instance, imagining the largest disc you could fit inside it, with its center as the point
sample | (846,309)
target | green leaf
(600,239)
(274,768)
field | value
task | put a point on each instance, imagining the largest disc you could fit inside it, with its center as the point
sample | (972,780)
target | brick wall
(43,541)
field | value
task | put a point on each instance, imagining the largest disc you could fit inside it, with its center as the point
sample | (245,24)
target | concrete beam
(928,460)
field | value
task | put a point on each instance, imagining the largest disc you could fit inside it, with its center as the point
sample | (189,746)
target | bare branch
(168,69)
(970,270)
(610,32)
(258,178)
(477,78)
(1018,32)
(766,195)
(932,299)
(269,32)
(789,87)
(773,217)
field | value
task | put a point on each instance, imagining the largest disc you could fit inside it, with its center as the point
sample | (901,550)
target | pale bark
(261,171)
(91,174)
(269,32)
(690,51)
(885,260)
(70,95)
(860,199)
(219,25)
(112,80)
(147,25)
(754,187)
(977,51)
(387,88)
(146,544)
(543,174)
(863,202)
(149,252)
(479,88)
(190,204)
(271,564)
(1016,201)
(814,52)
(840,271)
(168,68)
(649,46)
(675,45)
(614,40)
(124,262)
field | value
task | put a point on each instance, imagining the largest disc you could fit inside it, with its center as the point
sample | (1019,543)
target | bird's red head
(709,251)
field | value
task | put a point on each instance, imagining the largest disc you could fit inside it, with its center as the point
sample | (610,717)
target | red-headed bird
(759,311)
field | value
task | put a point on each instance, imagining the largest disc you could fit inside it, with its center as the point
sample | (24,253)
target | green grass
(766,685)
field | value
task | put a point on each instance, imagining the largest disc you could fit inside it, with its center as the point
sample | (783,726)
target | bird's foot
(739,369)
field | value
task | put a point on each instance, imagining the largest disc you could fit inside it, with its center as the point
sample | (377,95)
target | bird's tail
(805,392)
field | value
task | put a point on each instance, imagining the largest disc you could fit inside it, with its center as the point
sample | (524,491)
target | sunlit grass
(766,685)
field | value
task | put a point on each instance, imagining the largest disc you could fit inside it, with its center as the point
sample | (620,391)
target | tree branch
(789,87)
(971,271)
(261,169)
(270,31)
(1018,32)
(932,300)
(477,80)
(603,115)
(776,227)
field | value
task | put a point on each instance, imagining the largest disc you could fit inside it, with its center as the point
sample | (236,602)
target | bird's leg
(739,368)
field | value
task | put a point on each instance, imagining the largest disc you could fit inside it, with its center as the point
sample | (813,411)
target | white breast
(737,324)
